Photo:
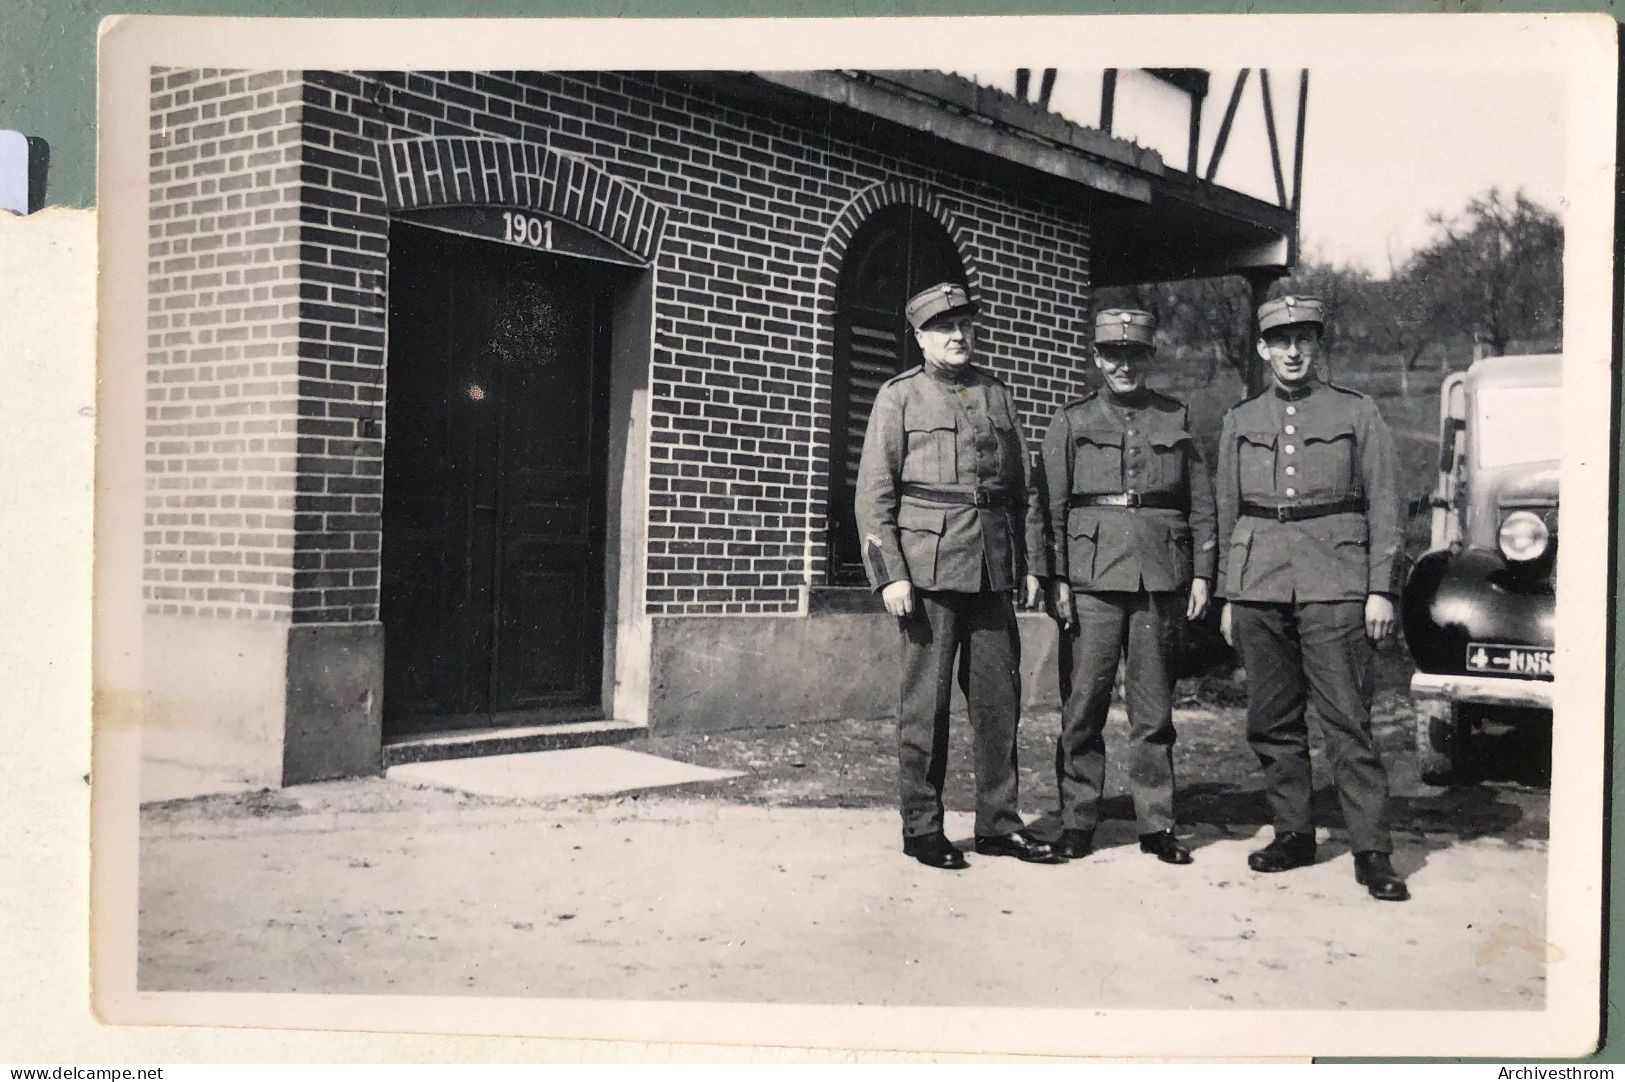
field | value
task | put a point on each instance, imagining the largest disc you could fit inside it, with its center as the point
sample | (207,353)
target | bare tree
(1497,271)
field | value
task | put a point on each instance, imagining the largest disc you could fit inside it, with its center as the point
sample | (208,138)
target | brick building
(526,405)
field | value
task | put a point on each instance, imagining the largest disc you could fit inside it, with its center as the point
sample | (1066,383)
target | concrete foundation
(718,673)
(263,703)
(268,704)
(216,694)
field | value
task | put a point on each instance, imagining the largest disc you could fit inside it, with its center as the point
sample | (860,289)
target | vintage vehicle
(1479,608)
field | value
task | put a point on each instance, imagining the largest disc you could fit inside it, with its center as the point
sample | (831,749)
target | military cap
(1124,327)
(1283,311)
(929,303)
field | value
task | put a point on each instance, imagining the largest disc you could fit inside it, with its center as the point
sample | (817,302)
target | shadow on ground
(851,763)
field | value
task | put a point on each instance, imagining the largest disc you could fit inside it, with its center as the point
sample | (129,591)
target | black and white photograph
(1002,535)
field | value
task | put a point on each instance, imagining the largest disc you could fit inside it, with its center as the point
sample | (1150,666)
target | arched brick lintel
(876,197)
(452,171)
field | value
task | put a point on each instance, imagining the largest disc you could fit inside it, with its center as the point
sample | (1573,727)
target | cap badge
(1127,318)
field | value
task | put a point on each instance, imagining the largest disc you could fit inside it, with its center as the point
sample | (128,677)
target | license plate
(1502,660)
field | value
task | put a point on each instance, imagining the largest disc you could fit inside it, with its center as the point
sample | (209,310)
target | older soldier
(941,507)
(1131,515)
(1310,512)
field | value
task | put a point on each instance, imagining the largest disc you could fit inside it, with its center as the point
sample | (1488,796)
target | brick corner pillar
(263,652)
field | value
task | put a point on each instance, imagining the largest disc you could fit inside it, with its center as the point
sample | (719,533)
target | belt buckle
(983,498)
(1132,499)
(1283,513)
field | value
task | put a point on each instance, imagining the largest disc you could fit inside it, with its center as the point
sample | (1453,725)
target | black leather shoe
(1375,872)
(1289,850)
(1021,845)
(935,851)
(1164,847)
(1075,844)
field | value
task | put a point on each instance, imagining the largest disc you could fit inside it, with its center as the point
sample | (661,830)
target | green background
(48,90)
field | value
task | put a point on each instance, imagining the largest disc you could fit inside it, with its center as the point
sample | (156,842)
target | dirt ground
(786,884)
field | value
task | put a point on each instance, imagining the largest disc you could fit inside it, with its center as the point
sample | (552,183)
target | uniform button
(1291,410)
(1133,450)
(1289,449)
(1290,470)
(1290,429)
(1291,492)
(1130,432)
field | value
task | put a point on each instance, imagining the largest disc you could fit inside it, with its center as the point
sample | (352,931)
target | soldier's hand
(1196,607)
(1224,624)
(1379,617)
(899,597)
(1030,589)
(1060,595)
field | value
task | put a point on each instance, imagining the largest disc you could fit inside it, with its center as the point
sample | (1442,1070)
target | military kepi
(927,304)
(1124,327)
(1284,311)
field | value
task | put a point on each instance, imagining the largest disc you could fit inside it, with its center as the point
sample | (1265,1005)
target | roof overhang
(989,121)
(1191,229)
(1149,222)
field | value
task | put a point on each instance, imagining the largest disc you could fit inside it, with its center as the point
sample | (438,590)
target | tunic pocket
(919,531)
(930,458)
(1350,539)
(1083,531)
(1328,457)
(1169,450)
(1011,449)
(1235,568)
(1255,461)
(1097,461)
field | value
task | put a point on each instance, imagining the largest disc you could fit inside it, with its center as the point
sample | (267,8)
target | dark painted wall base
(335,702)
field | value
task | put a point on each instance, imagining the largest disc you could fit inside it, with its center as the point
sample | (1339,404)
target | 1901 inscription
(527,230)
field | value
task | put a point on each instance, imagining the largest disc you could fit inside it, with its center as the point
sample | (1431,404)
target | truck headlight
(1523,536)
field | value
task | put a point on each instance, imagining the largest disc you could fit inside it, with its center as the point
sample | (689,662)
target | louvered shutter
(896,253)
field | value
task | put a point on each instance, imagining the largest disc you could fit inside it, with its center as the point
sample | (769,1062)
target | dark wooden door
(494,484)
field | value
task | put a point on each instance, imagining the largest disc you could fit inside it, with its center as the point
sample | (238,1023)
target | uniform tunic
(952,430)
(1130,568)
(1317,445)
(1299,589)
(945,430)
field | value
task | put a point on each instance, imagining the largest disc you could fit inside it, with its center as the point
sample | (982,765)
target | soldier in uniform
(1309,515)
(1131,516)
(942,511)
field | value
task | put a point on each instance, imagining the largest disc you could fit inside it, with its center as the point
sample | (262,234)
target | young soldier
(1309,510)
(941,509)
(1131,515)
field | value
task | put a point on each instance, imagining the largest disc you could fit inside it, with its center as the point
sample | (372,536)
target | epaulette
(1240,402)
(1345,390)
(1080,400)
(906,373)
(1166,399)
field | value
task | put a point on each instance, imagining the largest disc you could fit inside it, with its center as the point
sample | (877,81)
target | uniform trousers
(1313,652)
(979,630)
(1110,624)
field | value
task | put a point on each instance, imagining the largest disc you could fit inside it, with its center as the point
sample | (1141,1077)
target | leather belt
(969,497)
(1295,512)
(1163,500)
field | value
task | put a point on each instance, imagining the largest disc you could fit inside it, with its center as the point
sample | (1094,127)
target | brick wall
(744,292)
(222,398)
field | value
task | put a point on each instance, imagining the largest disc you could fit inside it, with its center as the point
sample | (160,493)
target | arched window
(897,252)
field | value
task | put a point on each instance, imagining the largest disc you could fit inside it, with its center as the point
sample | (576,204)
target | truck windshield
(1518,424)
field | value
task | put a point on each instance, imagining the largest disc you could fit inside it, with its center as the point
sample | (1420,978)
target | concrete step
(469,743)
